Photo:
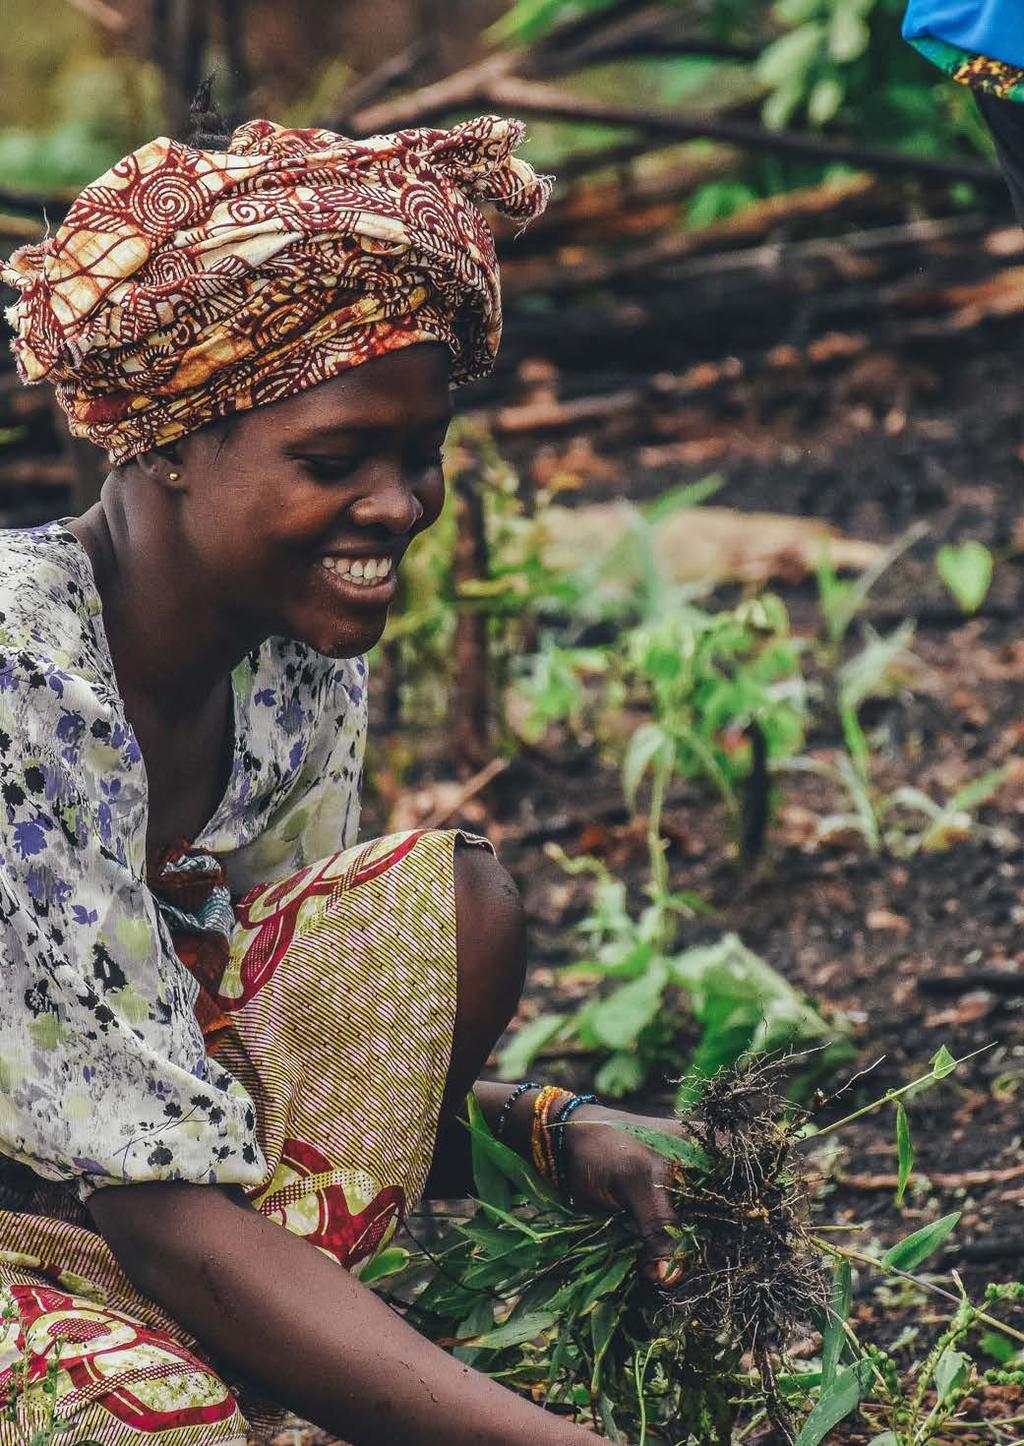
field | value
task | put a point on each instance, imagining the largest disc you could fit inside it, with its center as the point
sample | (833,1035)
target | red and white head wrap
(185,285)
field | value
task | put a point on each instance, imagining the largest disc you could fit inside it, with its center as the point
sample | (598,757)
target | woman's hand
(610,1169)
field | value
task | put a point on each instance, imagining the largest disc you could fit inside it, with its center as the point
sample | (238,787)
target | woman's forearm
(273,1310)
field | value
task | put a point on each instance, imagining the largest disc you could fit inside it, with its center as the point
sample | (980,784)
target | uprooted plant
(560,1307)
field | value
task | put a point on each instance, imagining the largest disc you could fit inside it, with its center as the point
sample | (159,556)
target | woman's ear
(165,467)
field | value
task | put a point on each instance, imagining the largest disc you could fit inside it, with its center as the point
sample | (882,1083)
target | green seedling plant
(907,820)
(966,570)
(560,1308)
(716,687)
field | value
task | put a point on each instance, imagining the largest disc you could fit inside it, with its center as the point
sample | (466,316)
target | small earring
(173,476)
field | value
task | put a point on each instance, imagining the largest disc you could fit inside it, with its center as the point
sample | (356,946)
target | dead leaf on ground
(885,919)
(717,544)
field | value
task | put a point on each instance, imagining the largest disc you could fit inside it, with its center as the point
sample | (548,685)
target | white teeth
(366,571)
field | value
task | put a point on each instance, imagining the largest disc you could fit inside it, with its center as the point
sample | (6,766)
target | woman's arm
(270,1308)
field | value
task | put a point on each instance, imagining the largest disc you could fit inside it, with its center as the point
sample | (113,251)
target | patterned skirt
(336,1011)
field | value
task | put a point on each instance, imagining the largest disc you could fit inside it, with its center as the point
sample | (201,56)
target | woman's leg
(491,934)
(118,1382)
(365,993)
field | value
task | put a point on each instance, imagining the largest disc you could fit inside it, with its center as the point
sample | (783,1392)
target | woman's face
(298,517)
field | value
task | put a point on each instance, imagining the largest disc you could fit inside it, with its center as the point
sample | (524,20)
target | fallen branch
(534,98)
(19,228)
(1009,983)
(469,789)
(941,1179)
(395,71)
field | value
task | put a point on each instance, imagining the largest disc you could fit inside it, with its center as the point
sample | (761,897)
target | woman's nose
(392,503)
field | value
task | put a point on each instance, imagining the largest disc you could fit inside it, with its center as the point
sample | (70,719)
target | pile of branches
(618,317)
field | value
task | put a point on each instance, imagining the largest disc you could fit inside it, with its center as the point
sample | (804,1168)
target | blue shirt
(993,28)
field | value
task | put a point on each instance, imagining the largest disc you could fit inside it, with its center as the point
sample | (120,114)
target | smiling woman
(234,1043)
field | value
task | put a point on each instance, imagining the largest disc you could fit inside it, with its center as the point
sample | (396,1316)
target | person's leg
(118,1382)
(1005,119)
(366,992)
(492,970)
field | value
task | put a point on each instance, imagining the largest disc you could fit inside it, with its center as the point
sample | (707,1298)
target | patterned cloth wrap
(185,285)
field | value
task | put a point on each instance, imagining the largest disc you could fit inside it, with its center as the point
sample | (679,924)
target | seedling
(966,571)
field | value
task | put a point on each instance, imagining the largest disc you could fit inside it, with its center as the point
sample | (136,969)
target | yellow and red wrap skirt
(335,1008)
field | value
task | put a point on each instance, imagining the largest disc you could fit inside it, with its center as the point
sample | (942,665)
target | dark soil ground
(912,952)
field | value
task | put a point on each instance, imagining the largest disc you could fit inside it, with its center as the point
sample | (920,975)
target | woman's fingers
(650,1204)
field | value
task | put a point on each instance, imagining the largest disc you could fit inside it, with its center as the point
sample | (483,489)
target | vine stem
(858,1257)
(892,1095)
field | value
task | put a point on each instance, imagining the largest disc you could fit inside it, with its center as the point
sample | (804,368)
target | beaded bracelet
(502,1121)
(563,1117)
(542,1145)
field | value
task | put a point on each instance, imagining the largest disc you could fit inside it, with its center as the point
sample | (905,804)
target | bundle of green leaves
(587,1332)
(559,1307)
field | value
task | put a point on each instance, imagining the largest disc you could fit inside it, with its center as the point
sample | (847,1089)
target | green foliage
(557,1306)
(704,677)
(967,572)
(844,62)
(742,1006)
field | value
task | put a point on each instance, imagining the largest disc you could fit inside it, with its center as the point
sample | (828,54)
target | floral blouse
(104,1077)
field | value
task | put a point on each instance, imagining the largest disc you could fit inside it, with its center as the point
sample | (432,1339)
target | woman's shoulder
(49,607)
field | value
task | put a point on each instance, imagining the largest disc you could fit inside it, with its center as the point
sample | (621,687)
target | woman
(221,1016)
(980,43)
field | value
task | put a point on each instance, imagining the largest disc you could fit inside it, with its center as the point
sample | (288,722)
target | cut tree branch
(535,98)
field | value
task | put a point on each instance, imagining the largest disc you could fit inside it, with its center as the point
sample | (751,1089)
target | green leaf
(607,1281)
(621,1074)
(834,1405)
(649,744)
(912,1250)
(617,1020)
(998,1347)
(950,1373)
(491,1181)
(682,499)
(848,36)
(833,1337)
(786,61)
(524,1046)
(904,1152)
(515,1331)
(824,100)
(979,791)
(797,12)
(967,572)
(887,1438)
(942,1062)
(513,1166)
(669,1147)
(386,1262)
(514,1221)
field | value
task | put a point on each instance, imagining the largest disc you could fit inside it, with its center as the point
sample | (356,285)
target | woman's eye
(330,469)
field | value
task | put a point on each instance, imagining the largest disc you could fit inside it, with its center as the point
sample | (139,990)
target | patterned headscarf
(185,285)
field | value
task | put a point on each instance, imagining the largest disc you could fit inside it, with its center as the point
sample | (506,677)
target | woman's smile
(368,580)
